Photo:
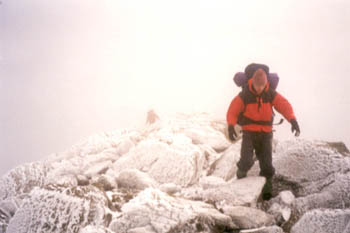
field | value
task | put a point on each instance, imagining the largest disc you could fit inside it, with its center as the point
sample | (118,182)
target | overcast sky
(71,69)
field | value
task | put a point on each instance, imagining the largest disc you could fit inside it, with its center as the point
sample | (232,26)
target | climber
(152,117)
(253,106)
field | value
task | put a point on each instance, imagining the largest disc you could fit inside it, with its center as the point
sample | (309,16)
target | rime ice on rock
(248,218)
(242,192)
(156,210)
(186,168)
(135,179)
(165,164)
(324,221)
(60,210)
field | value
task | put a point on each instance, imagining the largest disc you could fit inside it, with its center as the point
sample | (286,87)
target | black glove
(295,127)
(232,133)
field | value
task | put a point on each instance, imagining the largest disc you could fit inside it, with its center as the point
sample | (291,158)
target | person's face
(259,89)
(259,81)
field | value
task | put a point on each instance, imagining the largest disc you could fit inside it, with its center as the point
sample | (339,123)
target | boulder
(225,167)
(207,182)
(135,179)
(153,209)
(269,229)
(179,164)
(242,192)
(280,206)
(248,218)
(169,188)
(24,178)
(324,221)
(58,210)
(98,168)
(104,182)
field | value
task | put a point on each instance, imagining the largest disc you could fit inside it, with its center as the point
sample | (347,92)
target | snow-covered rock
(308,161)
(269,229)
(155,211)
(324,221)
(58,210)
(135,179)
(95,229)
(169,188)
(23,179)
(207,182)
(242,192)
(225,167)
(8,208)
(181,165)
(247,217)
(280,206)
(104,182)
(177,175)
(98,168)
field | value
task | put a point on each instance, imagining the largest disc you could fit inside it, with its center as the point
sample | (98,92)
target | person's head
(259,81)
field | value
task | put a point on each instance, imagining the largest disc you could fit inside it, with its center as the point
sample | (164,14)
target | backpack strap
(247,97)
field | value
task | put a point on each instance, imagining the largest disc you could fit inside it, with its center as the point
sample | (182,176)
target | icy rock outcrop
(225,167)
(280,206)
(8,208)
(165,164)
(248,218)
(269,229)
(99,168)
(155,211)
(95,229)
(170,188)
(104,182)
(23,179)
(324,221)
(316,173)
(304,161)
(135,179)
(177,175)
(242,192)
(208,182)
(58,210)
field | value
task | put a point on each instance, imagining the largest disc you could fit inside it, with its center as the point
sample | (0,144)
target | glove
(295,127)
(232,133)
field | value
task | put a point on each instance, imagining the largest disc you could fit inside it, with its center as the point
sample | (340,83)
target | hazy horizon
(71,69)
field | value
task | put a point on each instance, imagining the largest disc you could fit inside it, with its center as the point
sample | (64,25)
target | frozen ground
(177,175)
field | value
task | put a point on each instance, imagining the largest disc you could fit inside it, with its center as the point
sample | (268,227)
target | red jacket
(256,110)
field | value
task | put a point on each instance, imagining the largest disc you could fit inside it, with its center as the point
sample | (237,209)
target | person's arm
(236,107)
(282,105)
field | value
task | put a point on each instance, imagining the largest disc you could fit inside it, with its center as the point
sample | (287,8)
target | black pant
(261,142)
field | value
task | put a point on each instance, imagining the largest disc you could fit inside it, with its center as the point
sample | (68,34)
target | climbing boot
(267,190)
(241,174)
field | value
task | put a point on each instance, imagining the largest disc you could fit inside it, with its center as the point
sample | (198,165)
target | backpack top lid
(251,68)
(241,78)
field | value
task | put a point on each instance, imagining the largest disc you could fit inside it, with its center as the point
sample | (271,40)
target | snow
(158,211)
(53,211)
(175,175)
(248,218)
(324,221)
(135,179)
(239,192)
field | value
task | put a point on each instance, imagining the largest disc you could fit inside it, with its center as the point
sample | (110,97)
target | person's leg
(247,151)
(263,150)
(264,155)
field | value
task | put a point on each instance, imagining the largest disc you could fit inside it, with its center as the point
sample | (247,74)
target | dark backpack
(241,78)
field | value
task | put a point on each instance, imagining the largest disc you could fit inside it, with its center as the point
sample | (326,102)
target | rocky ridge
(177,175)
